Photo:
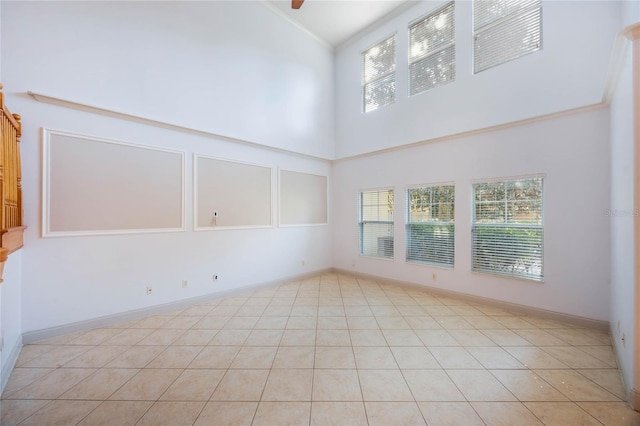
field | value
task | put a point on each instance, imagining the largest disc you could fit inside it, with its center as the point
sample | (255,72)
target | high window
(430,225)
(432,53)
(507,236)
(505,30)
(376,223)
(379,75)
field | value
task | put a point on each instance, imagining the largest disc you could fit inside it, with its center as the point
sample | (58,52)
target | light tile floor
(329,350)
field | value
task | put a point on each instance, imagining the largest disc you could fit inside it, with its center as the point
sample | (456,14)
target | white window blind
(505,30)
(432,54)
(430,225)
(376,223)
(379,75)
(507,228)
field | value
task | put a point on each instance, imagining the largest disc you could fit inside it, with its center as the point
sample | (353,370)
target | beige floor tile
(506,338)
(422,322)
(172,413)
(298,338)
(333,338)
(196,337)
(277,310)
(436,338)
(61,413)
(393,323)
(367,338)
(338,414)
(241,323)
(53,356)
(241,385)
(362,323)
(539,337)
(374,358)
(607,378)
(129,337)
(402,338)
(332,323)
(13,412)
(304,311)
(224,310)
(357,309)
(455,357)
(194,385)
(574,357)
(181,322)
(603,353)
(336,385)
(53,384)
(162,337)
(331,311)
(526,385)
(136,357)
(95,336)
(514,322)
(533,357)
(227,414)
(573,336)
(100,385)
(21,377)
(612,413)
(294,357)
(480,385)
(469,338)
(449,414)
(394,413)
(121,413)
(211,322)
(283,414)
(483,322)
(302,323)
(384,385)
(505,414)
(154,321)
(264,338)
(176,357)
(288,385)
(414,358)
(334,357)
(215,357)
(453,322)
(255,357)
(97,357)
(575,386)
(146,385)
(561,414)
(197,310)
(432,385)
(495,358)
(230,338)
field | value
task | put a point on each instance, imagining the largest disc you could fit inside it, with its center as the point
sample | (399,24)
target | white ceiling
(336,21)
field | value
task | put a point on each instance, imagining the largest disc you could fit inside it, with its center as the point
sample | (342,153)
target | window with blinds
(376,223)
(379,75)
(432,53)
(507,235)
(430,225)
(505,30)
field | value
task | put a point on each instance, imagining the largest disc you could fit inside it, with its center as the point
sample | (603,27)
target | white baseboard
(7,368)
(512,307)
(105,321)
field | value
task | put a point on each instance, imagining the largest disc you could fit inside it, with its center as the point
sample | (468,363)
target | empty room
(320,212)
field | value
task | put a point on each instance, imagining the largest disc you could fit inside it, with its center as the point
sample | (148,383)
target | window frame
(365,83)
(449,45)
(362,222)
(409,224)
(508,226)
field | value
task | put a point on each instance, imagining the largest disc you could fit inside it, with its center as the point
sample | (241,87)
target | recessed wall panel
(303,198)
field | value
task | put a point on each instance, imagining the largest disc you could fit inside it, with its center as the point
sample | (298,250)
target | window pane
(430,227)
(376,223)
(380,93)
(507,229)
(379,60)
(488,11)
(432,71)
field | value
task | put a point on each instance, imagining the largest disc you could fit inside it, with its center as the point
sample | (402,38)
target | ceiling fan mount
(295,4)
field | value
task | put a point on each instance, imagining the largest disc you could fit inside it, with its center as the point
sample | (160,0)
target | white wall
(236,69)
(622,209)
(187,62)
(572,151)
(569,72)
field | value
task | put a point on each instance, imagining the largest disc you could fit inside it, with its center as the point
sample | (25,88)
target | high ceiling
(335,21)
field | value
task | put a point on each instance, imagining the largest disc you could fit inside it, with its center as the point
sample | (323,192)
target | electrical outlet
(185,283)
(149,291)
(215,277)
(215,213)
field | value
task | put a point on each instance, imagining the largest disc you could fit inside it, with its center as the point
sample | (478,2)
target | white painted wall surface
(194,64)
(622,208)
(571,151)
(235,69)
(569,72)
